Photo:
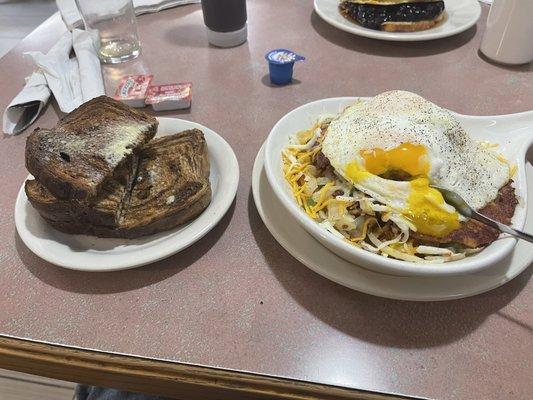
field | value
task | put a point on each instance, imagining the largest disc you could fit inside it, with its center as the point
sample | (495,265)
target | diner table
(235,316)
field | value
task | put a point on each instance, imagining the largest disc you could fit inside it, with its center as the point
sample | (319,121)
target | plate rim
(397,36)
(226,199)
(302,257)
(368,258)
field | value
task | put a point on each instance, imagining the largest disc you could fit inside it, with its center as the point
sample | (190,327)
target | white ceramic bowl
(513,133)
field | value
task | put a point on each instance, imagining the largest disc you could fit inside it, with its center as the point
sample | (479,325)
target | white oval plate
(302,246)
(89,253)
(459,16)
(511,132)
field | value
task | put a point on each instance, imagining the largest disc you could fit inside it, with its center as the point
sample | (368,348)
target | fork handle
(502,227)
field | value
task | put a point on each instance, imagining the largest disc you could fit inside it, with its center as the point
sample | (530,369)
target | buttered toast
(85,149)
(170,187)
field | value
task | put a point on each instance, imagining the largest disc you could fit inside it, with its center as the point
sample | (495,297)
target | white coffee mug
(509,35)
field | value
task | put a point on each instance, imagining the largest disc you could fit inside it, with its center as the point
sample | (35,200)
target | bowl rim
(384,264)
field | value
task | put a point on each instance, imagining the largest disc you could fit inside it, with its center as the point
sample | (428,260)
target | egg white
(390,119)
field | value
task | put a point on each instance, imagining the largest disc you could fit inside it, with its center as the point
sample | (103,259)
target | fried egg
(395,145)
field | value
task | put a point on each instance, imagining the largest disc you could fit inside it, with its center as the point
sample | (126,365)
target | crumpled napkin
(90,72)
(72,18)
(72,81)
(27,105)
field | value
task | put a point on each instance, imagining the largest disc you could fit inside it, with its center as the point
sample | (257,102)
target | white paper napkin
(72,18)
(27,105)
(90,72)
(61,72)
(73,81)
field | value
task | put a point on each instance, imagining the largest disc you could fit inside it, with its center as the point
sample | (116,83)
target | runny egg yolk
(421,204)
(407,157)
(426,209)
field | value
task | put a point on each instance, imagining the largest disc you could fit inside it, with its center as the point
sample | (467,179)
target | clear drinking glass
(114,28)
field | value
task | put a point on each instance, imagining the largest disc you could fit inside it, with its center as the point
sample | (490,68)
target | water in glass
(114,27)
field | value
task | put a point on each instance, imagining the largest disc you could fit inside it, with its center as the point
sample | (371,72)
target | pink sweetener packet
(174,96)
(132,90)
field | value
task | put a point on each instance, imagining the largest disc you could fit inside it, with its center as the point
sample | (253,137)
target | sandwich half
(394,15)
(74,159)
(170,187)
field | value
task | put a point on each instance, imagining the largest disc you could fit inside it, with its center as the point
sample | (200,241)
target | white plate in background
(302,246)
(459,16)
(89,253)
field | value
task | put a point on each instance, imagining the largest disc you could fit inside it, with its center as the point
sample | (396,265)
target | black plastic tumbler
(225,21)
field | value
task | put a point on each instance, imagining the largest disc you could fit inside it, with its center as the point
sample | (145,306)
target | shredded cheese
(359,225)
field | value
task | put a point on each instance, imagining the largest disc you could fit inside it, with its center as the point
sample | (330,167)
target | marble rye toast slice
(74,159)
(170,188)
(105,210)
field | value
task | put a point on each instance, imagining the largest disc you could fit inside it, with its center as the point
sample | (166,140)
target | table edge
(163,378)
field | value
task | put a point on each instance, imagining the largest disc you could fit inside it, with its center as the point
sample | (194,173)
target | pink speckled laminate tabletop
(236,299)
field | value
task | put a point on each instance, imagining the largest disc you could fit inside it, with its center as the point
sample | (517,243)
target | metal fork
(464,209)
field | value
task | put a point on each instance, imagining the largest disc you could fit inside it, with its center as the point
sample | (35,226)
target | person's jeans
(85,392)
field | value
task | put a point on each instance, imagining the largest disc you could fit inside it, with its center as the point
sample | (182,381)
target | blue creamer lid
(280,65)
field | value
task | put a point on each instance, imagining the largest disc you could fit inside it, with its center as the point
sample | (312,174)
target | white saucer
(88,253)
(301,245)
(459,16)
